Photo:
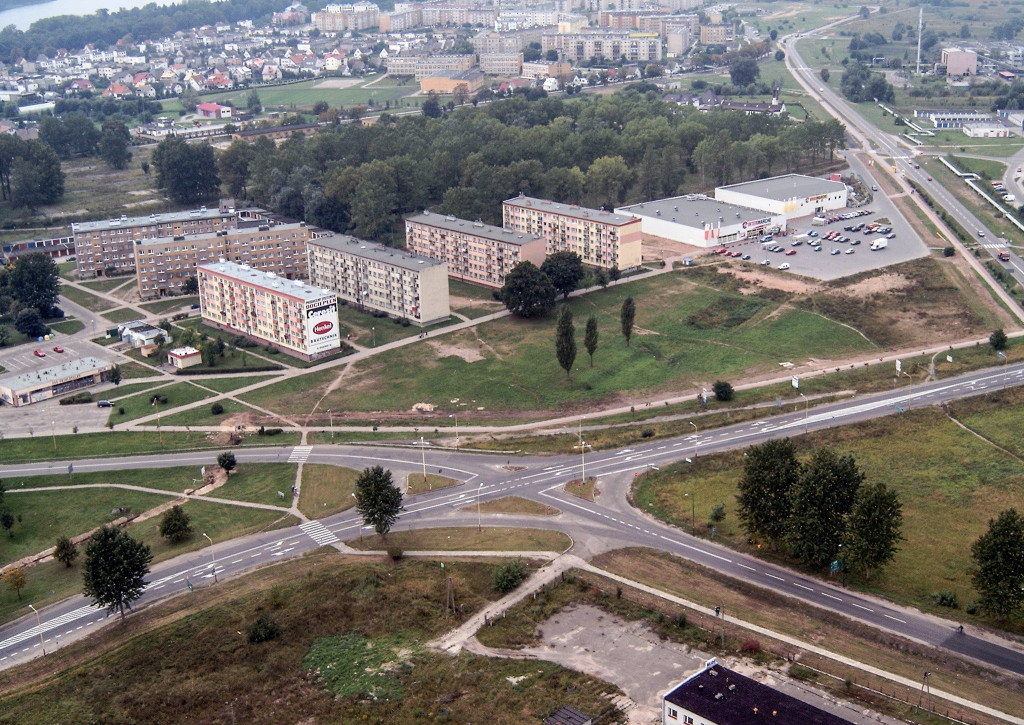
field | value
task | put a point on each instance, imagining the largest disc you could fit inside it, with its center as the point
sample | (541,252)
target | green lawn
(476,301)
(259,483)
(203,416)
(225,385)
(67,327)
(123,390)
(86,300)
(105,284)
(949,481)
(370,331)
(687,333)
(131,370)
(983,167)
(65,269)
(138,406)
(304,94)
(326,489)
(170,303)
(175,479)
(122,314)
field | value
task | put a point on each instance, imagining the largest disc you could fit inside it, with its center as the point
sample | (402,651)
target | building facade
(492,41)
(422,66)
(793,195)
(600,238)
(720,34)
(341,18)
(39,385)
(163,265)
(701,221)
(450,81)
(473,251)
(501,64)
(607,44)
(289,314)
(376,277)
(959,62)
(109,245)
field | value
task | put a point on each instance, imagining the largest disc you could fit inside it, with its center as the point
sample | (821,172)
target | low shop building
(139,333)
(701,221)
(38,385)
(184,357)
(794,195)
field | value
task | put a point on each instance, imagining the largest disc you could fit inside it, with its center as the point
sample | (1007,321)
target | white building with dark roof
(701,221)
(794,195)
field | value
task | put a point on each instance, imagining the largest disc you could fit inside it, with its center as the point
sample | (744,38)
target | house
(140,334)
(184,357)
(550,84)
(79,85)
(116,90)
(213,110)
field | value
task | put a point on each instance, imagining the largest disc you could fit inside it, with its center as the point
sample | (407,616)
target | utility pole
(920,27)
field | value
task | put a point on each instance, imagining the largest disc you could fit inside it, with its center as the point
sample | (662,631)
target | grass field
(124,390)
(170,303)
(260,483)
(514,505)
(947,479)
(121,314)
(472,300)
(67,327)
(203,415)
(139,406)
(687,332)
(302,95)
(326,489)
(175,479)
(491,538)
(370,331)
(983,167)
(226,385)
(86,300)
(105,284)
(418,483)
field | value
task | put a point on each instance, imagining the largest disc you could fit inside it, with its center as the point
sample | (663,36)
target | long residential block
(474,251)
(380,278)
(291,315)
(601,238)
(110,244)
(162,265)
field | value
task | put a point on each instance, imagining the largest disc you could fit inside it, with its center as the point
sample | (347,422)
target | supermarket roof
(65,371)
(694,210)
(788,186)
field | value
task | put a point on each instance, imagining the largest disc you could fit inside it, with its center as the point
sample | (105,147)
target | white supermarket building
(793,195)
(701,221)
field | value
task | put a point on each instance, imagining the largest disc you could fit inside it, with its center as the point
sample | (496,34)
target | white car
(766,262)
(784,266)
(850,251)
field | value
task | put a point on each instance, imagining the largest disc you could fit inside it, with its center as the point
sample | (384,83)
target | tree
(508,575)
(65,552)
(528,292)
(770,472)
(743,71)
(432,107)
(821,500)
(378,499)
(227,461)
(115,375)
(186,172)
(780,55)
(627,315)
(253,104)
(773,34)
(590,338)
(999,565)
(116,566)
(873,530)
(607,179)
(114,144)
(565,341)
(234,164)
(35,283)
(15,580)
(551,56)
(565,270)
(723,391)
(190,286)
(30,324)
(175,525)
(998,340)
(11,148)
(36,177)
(825,74)
(7,521)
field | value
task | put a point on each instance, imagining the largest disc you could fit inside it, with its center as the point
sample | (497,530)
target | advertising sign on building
(322,328)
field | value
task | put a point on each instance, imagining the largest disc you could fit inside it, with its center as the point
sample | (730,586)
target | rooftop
(788,186)
(183,351)
(568,716)
(487,231)
(69,369)
(373,251)
(724,696)
(244,228)
(139,221)
(570,210)
(694,210)
(247,275)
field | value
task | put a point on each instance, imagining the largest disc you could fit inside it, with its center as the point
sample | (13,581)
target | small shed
(568,716)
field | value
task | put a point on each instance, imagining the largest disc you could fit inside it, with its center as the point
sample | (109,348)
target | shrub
(158,398)
(647,433)
(120,411)
(508,575)
(77,398)
(948,252)
(263,629)
(681,620)
(945,598)
(723,391)
(971,608)
(273,431)
(750,647)
(718,513)
(216,409)
(395,552)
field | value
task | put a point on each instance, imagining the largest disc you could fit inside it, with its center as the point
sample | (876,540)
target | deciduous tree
(873,529)
(528,292)
(820,502)
(627,315)
(186,172)
(770,472)
(175,525)
(590,338)
(15,580)
(565,341)
(565,270)
(116,566)
(227,461)
(378,499)
(65,552)
(35,283)
(998,340)
(999,565)
(30,323)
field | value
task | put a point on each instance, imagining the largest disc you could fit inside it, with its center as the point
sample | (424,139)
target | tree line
(29,290)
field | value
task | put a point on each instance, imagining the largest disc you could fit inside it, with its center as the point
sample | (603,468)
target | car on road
(917,166)
(58,348)
(790,252)
(38,353)
(194,307)
(834,252)
(981,233)
(784,266)
(929,178)
(850,251)
(104,404)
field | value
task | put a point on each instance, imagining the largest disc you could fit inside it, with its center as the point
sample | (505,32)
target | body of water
(27,14)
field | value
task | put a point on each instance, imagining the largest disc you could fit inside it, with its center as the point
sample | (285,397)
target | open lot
(138,406)
(379,90)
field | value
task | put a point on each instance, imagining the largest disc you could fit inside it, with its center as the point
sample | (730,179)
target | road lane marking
(895,619)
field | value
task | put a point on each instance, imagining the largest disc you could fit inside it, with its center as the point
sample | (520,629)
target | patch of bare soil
(889,282)
(338,83)
(660,248)
(771,281)
(465,352)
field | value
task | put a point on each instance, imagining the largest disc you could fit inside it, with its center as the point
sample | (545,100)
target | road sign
(949,358)
(704,395)
(796,382)
(834,566)
(899,366)
(1001,354)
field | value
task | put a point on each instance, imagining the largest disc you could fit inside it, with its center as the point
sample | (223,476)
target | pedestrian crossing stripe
(319,533)
(299,454)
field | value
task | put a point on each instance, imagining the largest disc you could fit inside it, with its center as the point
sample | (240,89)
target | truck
(880,243)
(818,221)
(1003,255)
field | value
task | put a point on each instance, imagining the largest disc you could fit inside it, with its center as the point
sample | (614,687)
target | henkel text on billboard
(322,329)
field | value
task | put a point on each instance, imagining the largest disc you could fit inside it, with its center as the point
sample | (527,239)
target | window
(673,714)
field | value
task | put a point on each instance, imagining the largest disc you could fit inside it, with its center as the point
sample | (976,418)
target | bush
(948,252)
(216,409)
(718,513)
(681,620)
(945,598)
(508,575)
(272,431)
(395,553)
(77,398)
(647,433)
(158,398)
(263,629)
(120,411)
(971,608)
(750,647)
(723,391)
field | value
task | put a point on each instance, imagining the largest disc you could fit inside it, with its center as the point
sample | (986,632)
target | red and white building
(184,357)
(213,110)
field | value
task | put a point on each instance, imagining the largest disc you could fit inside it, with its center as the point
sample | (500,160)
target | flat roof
(138,221)
(695,210)
(788,186)
(249,228)
(570,210)
(258,278)
(724,696)
(374,251)
(46,376)
(487,231)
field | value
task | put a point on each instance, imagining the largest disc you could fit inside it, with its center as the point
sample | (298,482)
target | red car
(58,348)
(790,252)
(720,250)
(39,353)
(735,254)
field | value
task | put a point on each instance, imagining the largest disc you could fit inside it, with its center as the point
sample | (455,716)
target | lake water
(24,16)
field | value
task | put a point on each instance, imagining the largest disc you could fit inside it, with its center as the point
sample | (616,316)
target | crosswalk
(53,624)
(299,454)
(994,245)
(319,533)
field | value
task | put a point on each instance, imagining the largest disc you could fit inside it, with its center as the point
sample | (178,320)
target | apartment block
(601,238)
(422,66)
(501,64)
(719,34)
(162,265)
(546,69)
(397,22)
(340,18)
(473,251)
(492,41)
(289,314)
(608,44)
(110,244)
(376,277)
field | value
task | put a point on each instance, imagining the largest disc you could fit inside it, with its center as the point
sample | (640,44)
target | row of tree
(30,173)
(29,290)
(77,135)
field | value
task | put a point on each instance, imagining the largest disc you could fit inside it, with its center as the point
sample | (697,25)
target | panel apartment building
(339,18)
(162,265)
(422,66)
(601,238)
(289,314)
(376,277)
(474,251)
(110,244)
(609,44)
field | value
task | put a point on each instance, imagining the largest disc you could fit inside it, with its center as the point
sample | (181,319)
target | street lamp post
(39,626)
(213,557)
(423,458)
(456,416)
(53,427)
(1000,354)
(360,525)
(910,392)
(842,564)
(807,405)
(156,403)
(373,333)
(693,512)
(583,446)
(479,527)
(695,441)
(331,415)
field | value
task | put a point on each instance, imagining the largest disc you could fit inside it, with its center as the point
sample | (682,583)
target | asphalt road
(612,522)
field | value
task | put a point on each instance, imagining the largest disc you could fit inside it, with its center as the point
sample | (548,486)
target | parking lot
(20,359)
(849,258)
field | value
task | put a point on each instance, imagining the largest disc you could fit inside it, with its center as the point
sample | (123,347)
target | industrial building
(380,278)
(701,221)
(959,62)
(39,385)
(291,315)
(793,195)
(599,237)
(474,251)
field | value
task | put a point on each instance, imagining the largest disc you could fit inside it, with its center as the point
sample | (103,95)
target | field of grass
(947,479)
(302,95)
(686,332)
(132,370)
(491,538)
(122,443)
(170,303)
(105,284)
(86,300)
(121,314)
(514,505)
(162,648)
(418,483)
(370,331)
(138,406)
(475,301)
(260,483)
(226,385)
(983,167)
(326,489)
(67,327)
(203,415)
(124,390)
(175,479)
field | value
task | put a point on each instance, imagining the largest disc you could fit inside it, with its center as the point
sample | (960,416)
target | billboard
(322,328)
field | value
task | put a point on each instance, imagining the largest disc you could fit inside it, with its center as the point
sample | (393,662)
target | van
(818,221)
(766,238)
(879,244)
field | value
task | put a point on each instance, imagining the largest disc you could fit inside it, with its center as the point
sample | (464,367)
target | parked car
(58,348)
(720,250)
(784,266)
(766,262)
(790,252)
(104,404)
(854,242)
(834,252)
(39,353)
(745,257)
(850,251)
(890,235)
